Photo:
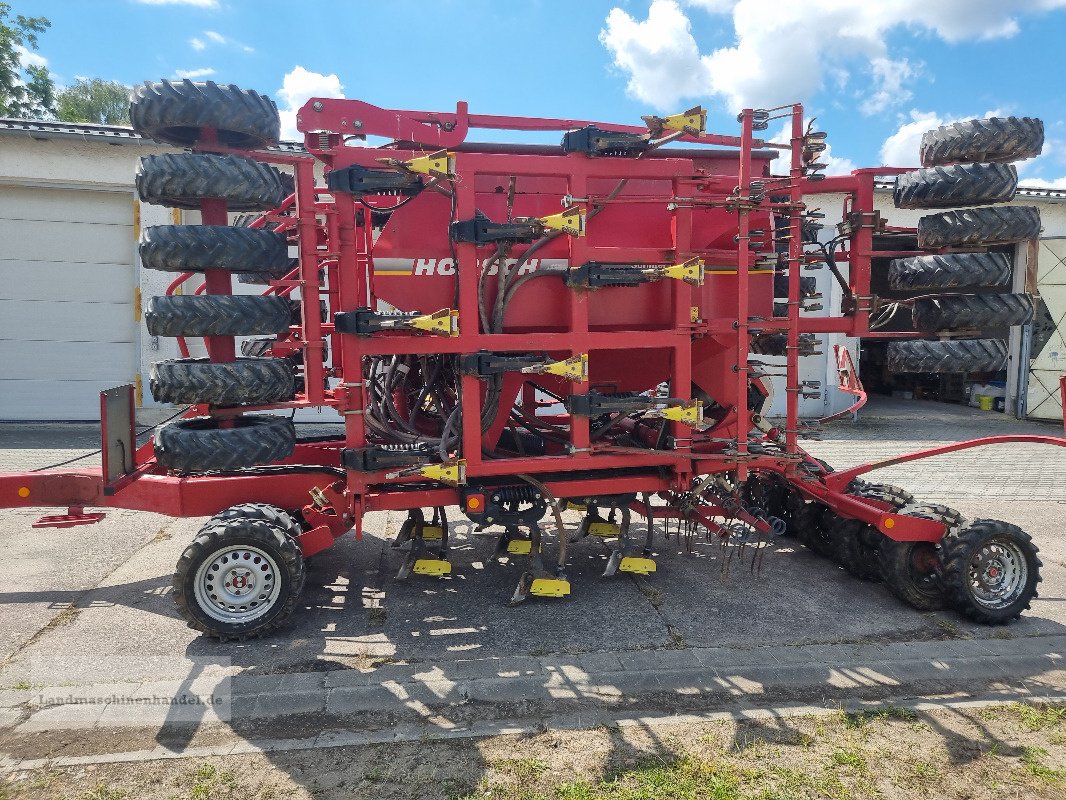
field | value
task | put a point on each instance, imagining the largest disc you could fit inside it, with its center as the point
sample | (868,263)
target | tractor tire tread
(957,185)
(245,381)
(217,315)
(195,248)
(997,139)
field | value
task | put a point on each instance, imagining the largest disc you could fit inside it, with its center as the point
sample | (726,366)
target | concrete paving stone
(355,699)
(792,655)
(62,718)
(255,684)
(302,682)
(282,705)
(508,690)
(337,678)
(722,657)
(832,653)
(9,698)
(597,664)
(518,666)
(9,717)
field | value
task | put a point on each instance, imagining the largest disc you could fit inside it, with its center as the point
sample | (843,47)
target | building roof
(112,134)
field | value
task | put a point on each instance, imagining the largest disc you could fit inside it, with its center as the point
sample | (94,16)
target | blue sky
(876,74)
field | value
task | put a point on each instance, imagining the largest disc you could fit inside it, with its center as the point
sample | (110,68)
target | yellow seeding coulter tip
(637,566)
(549,587)
(435,567)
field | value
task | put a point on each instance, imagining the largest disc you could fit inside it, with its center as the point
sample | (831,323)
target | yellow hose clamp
(691,271)
(575,368)
(437,165)
(692,122)
(571,221)
(443,323)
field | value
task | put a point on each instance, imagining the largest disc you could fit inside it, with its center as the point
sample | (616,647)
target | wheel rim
(998,574)
(237,584)
(923,564)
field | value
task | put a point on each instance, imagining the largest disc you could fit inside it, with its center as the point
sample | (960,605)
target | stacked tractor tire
(959,292)
(186,114)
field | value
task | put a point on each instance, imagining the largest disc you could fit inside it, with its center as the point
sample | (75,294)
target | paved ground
(90,606)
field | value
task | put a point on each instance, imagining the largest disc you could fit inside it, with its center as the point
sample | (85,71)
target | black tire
(257,348)
(970,227)
(246,381)
(813,523)
(808,285)
(949,271)
(182,180)
(216,315)
(265,512)
(262,556)
(959,185)
(912,569)
(961,311)
(858,544)
(998,139)
(176,113)
(959,355)
(262,278)
(999,546)
(195,248)
(776,344)
(198,444)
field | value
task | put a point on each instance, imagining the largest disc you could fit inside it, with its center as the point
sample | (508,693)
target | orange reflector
(890,523)
(24,491)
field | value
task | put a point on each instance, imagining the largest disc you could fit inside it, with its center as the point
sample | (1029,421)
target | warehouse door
(67,327)
(1047,349)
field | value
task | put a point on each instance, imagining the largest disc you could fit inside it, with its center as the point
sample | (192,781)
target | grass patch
(1033,760)
(1038,717)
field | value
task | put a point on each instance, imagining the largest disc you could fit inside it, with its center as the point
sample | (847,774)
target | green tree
(94,100)
(24,91)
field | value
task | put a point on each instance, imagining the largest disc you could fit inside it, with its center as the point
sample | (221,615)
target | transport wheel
(912,569)
(176,113)
(216,315)
(949,271)
(194,248)
(958,355)
(265,512)
(199,444)
(812,524)
(998,139)
(990,571)
(979,226)
(240,578)
(264,278)
(856,543)
(182,180)
(959,185)
(246,381)
(962,311)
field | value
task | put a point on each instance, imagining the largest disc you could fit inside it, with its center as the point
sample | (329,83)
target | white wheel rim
(998,574)
(237,584)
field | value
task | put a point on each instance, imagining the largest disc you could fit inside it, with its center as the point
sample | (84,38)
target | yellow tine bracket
(519,547)
(436,567)
(432,533)
(443,323)
(453,474)
(549,587)
(638,566)
(572,506)
(575,368)
(437,165)
(691,271)
(692,122)
(690,414)
(571,221)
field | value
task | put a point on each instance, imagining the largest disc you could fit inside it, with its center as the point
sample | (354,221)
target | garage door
(67,328)
(1048,347)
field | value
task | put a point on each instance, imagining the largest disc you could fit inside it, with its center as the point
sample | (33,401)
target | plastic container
(985,402)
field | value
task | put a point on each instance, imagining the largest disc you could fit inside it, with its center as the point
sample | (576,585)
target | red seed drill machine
(518,329)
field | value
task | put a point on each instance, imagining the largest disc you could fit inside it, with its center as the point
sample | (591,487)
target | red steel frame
(342,246)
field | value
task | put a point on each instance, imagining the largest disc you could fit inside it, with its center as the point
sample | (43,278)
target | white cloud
(196,3)
(297,87)
(783,51)
(214,37)
(27,58)
(193,74)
